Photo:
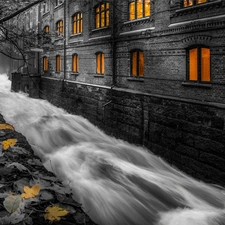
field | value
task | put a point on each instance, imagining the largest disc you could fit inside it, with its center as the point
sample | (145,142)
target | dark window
(198,60)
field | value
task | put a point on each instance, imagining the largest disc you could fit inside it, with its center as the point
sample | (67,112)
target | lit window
(45,63)
(100,63)
(75,63)
(46,29)
(188,3)
(59,28)
(137,63)
(139,9)
(199,64)
(58,63)
(77,23)
(102,15)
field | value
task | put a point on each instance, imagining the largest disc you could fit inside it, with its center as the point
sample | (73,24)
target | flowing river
(116,182)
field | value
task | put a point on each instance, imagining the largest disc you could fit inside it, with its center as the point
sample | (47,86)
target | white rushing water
(117,183)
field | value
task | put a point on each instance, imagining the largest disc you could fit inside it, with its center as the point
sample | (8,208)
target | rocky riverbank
(29,194)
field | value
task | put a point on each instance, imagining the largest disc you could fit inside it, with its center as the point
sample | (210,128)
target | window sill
(198,6)
(75,35)
(99,76)
(138,79)
(46,13)
(100,29)
(137,20)
(75,74)
(197,84)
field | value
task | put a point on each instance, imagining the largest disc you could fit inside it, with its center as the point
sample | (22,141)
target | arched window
(198,60)
(58,63)
(137,63)
(75,63)
(139,9)
(100,63)
(77,23)
(46,29)
(102,15)
(59,28)
(45,63)
(187,3)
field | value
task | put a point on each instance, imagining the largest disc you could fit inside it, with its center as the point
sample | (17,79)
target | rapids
(116,182)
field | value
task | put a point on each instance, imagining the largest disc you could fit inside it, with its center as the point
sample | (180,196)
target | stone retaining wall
(188,134)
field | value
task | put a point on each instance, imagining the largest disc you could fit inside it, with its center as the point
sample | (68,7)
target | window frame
(137,63)
(45,64)
(102,64)
(136,11)
(194,3)
(77,21)
(199,64)
(104,11)
(58,67)
(59,28)
(77,63)
(58,2)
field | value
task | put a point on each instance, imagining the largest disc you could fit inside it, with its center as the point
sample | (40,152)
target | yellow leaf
(31,192)
(55,212)
(6,126)
(8,143)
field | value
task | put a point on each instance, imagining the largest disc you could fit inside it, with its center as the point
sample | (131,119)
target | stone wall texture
(188,134)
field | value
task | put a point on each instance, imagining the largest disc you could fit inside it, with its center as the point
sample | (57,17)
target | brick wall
(188,134)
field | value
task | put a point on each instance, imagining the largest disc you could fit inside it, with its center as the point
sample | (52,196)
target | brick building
(148,71)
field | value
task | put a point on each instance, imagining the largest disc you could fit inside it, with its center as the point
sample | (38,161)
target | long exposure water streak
(117,183)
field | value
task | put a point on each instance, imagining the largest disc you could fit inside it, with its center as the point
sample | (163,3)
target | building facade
(150,72)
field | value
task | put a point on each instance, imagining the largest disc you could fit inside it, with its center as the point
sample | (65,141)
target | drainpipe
(113,44)
(64,44)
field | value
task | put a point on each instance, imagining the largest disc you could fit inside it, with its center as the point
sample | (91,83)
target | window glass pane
(75,27)
(97,21)
(98,63)
(78,26)
(188,3)
(58,63)
(45,63)
(147,8)
(81,26)
(97,9)
(107,5)
(141,64)
(134,64)
(102,7)
(75,63)
(205,64)
(200,1)
(103,63)
(139,9)
(107,18)
(102,19)
(132,11)
(193,64)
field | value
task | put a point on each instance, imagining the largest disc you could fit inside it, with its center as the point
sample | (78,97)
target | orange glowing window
(137,63)
(45,63)
(46,29)
(188,3)
(58,63)
(139,9)
(199,64)
(59,28)
(75,63)
(100,63)
(77,23)
(102,15)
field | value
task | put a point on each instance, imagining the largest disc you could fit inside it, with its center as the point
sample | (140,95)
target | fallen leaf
(12,203)
(31,192)
(6,126)
(19,166)
(55,212)
(8,143)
